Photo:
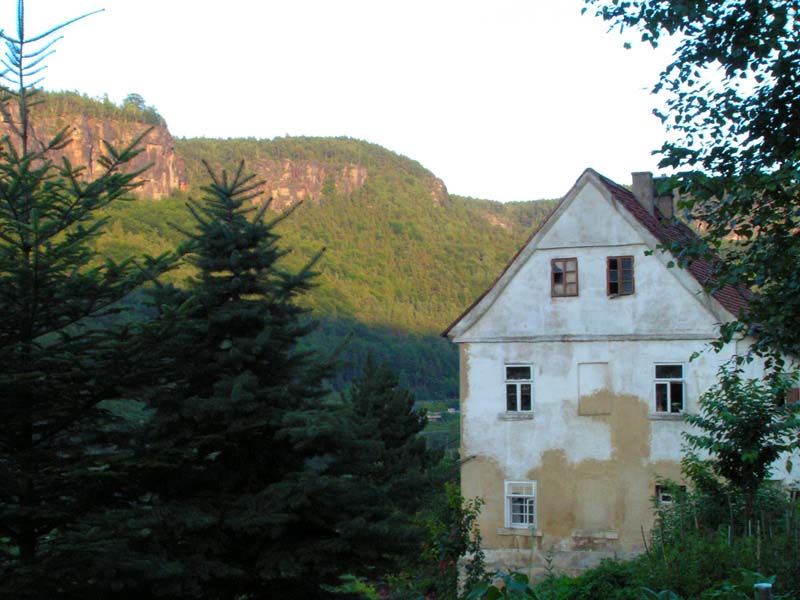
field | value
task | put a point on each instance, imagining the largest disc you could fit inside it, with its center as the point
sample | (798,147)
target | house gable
(592,223)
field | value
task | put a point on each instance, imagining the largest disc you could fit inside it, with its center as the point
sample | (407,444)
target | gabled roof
(663,229)
(666,231)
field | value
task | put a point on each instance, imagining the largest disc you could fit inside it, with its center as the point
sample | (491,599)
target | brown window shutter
(793,396)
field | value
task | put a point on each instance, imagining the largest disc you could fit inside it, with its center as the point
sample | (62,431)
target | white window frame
(529,507)
(666,383)
(665,493)
(518,383)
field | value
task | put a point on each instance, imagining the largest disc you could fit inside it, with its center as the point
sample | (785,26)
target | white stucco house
(575,376)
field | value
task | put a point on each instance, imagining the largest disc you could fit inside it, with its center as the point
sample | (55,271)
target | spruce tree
(393,470)
(388,420)
(57,364)
(256,480)
(241,420)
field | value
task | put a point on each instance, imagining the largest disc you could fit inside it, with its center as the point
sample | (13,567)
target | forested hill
(402,257)
(400,251)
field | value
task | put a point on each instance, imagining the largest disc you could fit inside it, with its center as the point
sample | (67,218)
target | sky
(501,99)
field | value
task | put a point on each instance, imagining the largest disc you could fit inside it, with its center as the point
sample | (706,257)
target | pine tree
(392,471)
(256,480)
(241,425)
(387,417)
(57,363)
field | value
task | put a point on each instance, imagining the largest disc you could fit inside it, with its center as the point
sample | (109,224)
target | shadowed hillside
(402,257)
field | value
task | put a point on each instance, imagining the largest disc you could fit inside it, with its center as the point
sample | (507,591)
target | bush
(699,543)
(611,580)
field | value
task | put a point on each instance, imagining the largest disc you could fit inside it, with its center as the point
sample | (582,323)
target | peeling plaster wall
(595,472)
(593,442)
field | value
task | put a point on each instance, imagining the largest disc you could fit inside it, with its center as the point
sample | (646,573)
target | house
(575,373)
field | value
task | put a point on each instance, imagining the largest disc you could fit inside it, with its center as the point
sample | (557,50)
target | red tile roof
(666,231)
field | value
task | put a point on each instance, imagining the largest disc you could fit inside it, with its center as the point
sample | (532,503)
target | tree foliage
(732,107)
(241,424)
(66,104)
(253,479)
(451,536)
(57,366)
(397,268)
(389,421)
(743,427)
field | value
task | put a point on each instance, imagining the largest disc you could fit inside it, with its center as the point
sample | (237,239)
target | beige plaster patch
(593,505)
(597,403)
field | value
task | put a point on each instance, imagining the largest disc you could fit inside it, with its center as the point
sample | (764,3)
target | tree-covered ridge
(66,103)
(334,150)
(397,268)
(393,257)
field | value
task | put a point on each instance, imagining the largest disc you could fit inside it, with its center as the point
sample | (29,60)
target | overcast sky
(502,99)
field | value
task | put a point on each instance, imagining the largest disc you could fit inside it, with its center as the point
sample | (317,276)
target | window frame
(663,491)
(529,512)
(619,271)
(564,294)
(792,396)
(518,383)
(668,381)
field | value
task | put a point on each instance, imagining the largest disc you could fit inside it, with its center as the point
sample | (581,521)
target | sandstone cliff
(311,169)
(167,173)
(293,169)
(288,182)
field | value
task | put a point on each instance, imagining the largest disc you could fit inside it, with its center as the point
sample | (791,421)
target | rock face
(288,182)
(438,192)
(166,175)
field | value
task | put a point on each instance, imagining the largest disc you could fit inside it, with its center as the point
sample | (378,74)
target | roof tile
(666,230)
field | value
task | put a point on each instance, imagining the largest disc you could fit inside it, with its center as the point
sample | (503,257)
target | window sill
(515,416)
(595,535)
(666,416)
(520,531)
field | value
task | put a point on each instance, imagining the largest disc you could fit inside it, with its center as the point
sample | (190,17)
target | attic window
(792,396)
(564,277)
(619,275)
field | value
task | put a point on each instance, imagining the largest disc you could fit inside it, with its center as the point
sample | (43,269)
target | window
(521,504)
(669,388)
(619,275)
(519,388)
(792,396)
(564,277)
(666,493)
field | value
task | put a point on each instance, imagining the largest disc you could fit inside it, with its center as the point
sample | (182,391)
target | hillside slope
(400,251)
(402,257)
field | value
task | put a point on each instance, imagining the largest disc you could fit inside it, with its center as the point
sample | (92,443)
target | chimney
(664,201)
(643,189)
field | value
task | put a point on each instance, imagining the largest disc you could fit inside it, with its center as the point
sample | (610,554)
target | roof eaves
(667,231)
